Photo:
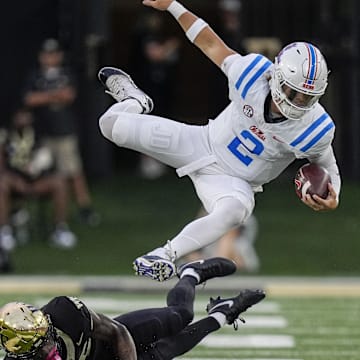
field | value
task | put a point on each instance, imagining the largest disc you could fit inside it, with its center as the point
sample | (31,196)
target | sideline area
(274,286)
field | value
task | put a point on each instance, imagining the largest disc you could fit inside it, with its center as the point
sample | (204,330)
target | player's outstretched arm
(196,29)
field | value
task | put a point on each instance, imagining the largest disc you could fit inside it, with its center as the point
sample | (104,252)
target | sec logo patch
(248,111)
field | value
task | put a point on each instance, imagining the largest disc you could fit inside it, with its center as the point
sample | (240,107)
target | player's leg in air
(121,87)
(227,207)
(156,332)
(221,312)
(228,200)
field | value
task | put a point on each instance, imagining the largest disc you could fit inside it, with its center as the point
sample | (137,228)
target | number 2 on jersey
(241,150)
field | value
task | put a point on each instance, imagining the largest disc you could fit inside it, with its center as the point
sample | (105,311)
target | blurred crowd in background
(40,157)
(52,100)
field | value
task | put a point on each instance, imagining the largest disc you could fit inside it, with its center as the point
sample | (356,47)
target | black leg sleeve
(149,325)
(173,346)
(183,293)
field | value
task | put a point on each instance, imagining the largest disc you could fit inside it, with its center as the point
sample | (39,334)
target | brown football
(312,179)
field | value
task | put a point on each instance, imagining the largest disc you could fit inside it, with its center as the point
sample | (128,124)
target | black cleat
(210,268)
(120,86)
(233,307)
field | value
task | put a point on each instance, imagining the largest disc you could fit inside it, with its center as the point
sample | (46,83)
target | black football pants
(164,333)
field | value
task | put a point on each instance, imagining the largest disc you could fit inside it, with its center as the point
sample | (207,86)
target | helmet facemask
(299,79)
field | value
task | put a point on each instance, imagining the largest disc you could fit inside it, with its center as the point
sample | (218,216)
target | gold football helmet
(23,329)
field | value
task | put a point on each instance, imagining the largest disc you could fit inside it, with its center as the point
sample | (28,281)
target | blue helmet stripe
(312,64)
(254,78)
(317,137)
(310,129)
(247,70)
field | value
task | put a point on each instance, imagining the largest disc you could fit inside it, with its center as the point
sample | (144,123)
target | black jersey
(73,324)
(53,119)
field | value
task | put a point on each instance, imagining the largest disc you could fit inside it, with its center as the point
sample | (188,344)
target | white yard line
(114,305)
(274,286)
(113,308)
(249,341)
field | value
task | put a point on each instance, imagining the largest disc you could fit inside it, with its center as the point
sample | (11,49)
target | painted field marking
(274,286)
(249,341)
(122,305)
(113,308)
(253,322)
(314,290)
(256,321)
(260,321)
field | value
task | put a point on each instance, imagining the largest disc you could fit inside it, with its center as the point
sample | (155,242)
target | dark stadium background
(96,33)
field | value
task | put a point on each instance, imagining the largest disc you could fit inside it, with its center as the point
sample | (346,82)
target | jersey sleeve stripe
(254,78)
(318,137)
(310,129)
(247,70)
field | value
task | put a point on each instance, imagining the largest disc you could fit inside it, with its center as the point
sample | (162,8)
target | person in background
(28,171)
(66,329)
(50,92)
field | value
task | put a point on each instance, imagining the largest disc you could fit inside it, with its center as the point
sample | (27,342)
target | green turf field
(278,328)
(139,215)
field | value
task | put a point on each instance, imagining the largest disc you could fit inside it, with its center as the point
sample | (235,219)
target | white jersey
(248,147)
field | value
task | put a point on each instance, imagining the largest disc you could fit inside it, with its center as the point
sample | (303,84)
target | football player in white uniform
(274,117)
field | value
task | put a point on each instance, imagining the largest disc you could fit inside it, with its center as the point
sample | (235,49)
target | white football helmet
(299,68)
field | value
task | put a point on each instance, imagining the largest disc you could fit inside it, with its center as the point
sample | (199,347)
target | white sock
(190,272)
(130,106)
(163,253)
(220,318)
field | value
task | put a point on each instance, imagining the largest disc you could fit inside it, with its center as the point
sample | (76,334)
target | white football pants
(228,200)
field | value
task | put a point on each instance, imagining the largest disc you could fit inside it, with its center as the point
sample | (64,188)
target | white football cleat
(154,267)
(121,87)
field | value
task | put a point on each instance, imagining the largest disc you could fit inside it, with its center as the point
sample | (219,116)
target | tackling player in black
(65,329)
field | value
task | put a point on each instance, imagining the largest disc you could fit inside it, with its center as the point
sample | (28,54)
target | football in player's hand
(312,179)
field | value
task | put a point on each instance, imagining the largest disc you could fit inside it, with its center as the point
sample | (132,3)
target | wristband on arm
(195,29)
(176,9)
